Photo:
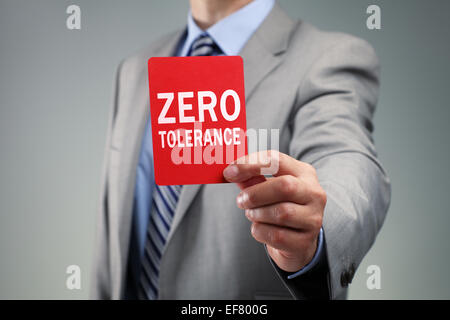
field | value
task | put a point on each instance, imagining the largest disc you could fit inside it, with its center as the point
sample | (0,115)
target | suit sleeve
(100,273)
(332,128)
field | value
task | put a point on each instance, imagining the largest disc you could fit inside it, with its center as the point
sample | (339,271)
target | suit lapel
(264,51)
(188,193)
(123,170)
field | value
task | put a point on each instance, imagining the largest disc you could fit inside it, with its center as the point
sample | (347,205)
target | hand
(286,210)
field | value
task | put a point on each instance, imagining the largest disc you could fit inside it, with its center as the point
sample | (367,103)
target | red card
(197,108)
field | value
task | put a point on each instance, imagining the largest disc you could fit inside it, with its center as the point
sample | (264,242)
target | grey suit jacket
(320,89)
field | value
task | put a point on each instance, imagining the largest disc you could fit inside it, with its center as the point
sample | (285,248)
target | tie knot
(204,45)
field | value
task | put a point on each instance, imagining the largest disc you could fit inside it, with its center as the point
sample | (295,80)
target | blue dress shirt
(230,34)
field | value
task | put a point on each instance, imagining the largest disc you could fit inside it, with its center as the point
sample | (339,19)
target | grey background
(55,89)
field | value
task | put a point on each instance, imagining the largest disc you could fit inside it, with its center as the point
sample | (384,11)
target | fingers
(286,210)
(285,214)
(251,165)
(281,238)
(279,189)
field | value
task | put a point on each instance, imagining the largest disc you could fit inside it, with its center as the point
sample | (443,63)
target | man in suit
(313,222)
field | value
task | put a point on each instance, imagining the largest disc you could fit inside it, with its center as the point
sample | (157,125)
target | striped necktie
(164,202)
(204,45)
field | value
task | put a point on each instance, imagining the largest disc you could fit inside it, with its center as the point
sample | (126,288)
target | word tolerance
(196,138)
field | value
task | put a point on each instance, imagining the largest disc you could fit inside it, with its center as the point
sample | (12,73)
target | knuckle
(322,197)
(283,212)
(317,222)
(288,185)
(319,195)
(309,167)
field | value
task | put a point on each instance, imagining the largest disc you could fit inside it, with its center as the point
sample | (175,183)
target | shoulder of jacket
(317,40)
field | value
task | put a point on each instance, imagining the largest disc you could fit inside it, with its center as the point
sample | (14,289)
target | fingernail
(231,171)
(249,213)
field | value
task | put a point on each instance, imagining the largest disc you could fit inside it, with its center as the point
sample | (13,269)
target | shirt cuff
(314,260)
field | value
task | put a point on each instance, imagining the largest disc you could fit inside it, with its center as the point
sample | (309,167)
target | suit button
(344,279)
(351,272)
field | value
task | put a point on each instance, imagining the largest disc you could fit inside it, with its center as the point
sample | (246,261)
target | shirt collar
(232,32)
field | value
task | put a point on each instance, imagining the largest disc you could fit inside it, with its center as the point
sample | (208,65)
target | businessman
(299,234)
